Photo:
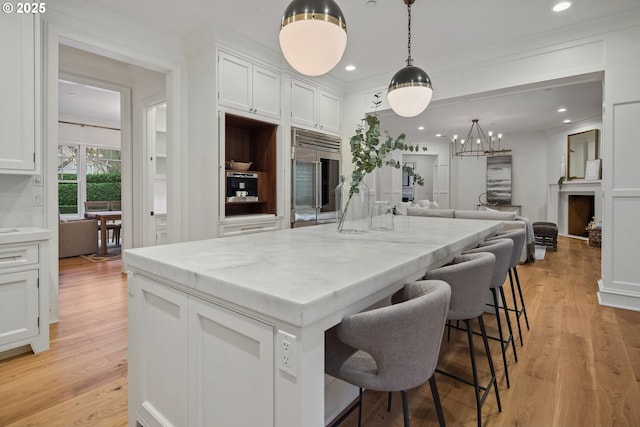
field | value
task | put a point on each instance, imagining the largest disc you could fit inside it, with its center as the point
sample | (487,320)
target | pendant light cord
(409,60)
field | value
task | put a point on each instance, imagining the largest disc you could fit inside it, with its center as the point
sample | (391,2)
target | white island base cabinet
(230,332)
(189,355)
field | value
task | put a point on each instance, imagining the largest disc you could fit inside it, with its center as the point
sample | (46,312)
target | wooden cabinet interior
(248,140)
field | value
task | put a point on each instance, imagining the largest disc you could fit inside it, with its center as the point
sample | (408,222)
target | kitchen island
(230,331)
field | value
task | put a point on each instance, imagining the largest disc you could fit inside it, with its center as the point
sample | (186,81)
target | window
(86,173)
(68,180)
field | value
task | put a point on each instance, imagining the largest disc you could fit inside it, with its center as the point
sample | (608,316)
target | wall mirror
(581,147)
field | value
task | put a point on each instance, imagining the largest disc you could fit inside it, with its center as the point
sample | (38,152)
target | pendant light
(410,88)
(313,36)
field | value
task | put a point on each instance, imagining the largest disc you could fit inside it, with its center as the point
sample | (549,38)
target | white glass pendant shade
(409,92)
(313,36)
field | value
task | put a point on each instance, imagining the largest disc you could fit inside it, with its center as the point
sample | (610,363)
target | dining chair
(102,206)
(96,206)
(392,348)
(116,226)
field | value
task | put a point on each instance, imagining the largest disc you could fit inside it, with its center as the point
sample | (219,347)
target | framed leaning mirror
(581,148)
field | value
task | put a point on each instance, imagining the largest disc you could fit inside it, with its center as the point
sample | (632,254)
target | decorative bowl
(240,166)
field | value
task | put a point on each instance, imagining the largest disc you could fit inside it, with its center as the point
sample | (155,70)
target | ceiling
(442,30)
(88,104)
(511,113)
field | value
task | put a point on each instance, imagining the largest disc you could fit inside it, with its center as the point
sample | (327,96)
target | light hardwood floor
(82,379)
(579,366)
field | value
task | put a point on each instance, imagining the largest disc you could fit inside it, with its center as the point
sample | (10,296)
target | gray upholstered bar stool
(518,237)
(470,277)
(501,249)
(393,348)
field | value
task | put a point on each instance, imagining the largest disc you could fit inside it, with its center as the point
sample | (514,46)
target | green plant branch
(369,150)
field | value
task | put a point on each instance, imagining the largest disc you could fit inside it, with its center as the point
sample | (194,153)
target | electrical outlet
(287,352)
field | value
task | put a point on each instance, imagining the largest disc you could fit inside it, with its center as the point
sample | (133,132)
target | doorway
(134,84)
(423,165)
(89,155)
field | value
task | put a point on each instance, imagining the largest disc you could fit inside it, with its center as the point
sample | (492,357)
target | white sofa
(510,221)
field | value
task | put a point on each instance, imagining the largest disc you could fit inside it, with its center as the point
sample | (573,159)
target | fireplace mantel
(580,186)
(558,201)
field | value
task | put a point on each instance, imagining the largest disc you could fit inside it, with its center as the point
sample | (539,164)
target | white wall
(529,174)
(16,201)
(203,142)
(620,285)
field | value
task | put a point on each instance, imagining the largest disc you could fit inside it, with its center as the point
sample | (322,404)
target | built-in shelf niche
(248,140)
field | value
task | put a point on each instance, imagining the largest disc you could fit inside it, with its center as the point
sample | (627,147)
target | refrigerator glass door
(329,180)
(305,192)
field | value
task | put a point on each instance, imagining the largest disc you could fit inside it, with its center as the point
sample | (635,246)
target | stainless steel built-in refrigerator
(315,175)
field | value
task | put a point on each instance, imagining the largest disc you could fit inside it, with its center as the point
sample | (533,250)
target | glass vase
(381,218)
(353,207)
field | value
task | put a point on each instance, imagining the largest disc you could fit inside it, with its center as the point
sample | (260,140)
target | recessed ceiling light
(566,121)
(563,5)
(562,110)
(350,67)
(438,135)
(420,127)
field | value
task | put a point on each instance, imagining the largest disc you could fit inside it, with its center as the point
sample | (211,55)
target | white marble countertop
(10,235)
(305,274)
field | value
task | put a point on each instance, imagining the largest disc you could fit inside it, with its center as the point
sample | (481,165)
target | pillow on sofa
(401,208)
(424,203)
(439,213)
(494,215)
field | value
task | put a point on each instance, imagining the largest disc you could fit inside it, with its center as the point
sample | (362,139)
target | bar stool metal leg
(524,309)
(436,400)
(504,343)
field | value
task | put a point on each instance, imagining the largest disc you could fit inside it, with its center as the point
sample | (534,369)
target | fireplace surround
(558,203)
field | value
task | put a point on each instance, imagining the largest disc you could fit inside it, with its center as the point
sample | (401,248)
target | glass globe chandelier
(410,89)
(313,36)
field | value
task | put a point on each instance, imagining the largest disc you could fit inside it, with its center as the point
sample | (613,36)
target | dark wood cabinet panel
(248,140)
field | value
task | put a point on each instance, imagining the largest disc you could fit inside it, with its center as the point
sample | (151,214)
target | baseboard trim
(618,299)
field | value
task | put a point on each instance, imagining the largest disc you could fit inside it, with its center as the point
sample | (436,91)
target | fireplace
(559,207)
(581,212)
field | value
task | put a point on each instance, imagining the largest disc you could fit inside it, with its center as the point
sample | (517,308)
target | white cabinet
(18,148)
(250,224)
(18,306)
(158,353)
(315,108)
(248,87)
(24,304)
(161,229)
(230,354)
(185,352)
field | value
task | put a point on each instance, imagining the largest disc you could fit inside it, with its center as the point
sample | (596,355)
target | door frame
(102,42)
(148,224)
